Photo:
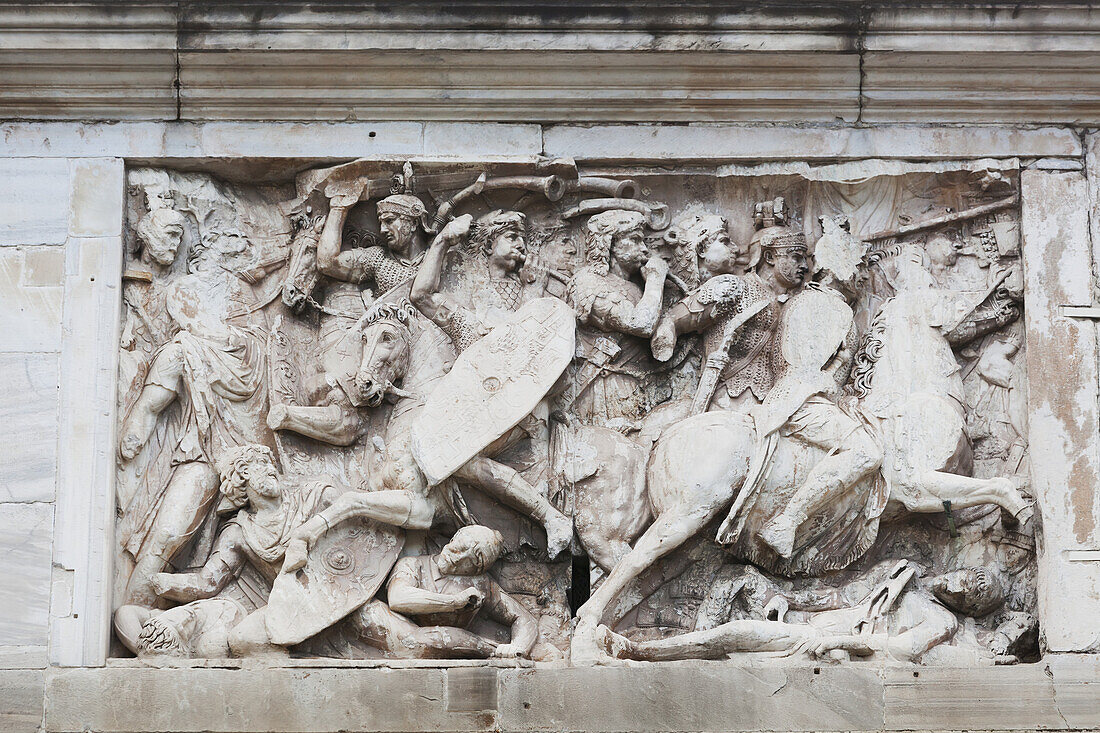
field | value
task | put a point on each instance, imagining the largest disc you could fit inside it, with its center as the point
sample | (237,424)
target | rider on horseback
(399,218)
(815,344)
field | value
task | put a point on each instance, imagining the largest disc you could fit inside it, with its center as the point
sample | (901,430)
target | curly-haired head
(492,225)
(233,468)
(159,637)
(601,231)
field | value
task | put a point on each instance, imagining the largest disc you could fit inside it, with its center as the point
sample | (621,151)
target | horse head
(387,343)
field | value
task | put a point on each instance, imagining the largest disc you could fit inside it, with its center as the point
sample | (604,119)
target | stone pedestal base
(1058,694)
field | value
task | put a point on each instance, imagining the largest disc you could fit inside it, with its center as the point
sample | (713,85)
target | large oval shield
(344,570)
(493,385)
(815,324)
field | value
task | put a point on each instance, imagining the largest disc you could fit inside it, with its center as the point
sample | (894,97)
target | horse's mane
(430,350)
(401,311)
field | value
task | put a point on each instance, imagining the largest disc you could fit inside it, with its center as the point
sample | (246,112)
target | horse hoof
(584,648)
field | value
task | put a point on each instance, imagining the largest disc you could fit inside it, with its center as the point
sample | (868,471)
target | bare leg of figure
(935,487)
(509,486)
(736,636)
(668,531)
(187,500)
(379,626)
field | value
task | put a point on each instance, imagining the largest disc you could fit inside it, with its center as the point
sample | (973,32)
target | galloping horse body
(699,464)
(396,345)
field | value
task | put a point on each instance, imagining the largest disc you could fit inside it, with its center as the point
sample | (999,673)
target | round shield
(493,385)
(345,569)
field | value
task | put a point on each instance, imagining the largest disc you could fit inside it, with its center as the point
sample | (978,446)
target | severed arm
(224,563)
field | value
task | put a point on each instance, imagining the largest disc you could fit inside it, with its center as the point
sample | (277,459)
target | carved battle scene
(427,410)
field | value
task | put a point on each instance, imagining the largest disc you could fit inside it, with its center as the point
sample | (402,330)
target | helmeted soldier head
(399,217)
(501,236)
(784,255)
(616,234)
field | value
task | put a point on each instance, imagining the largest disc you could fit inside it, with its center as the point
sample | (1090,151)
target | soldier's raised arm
(613,313)
(331,261)
(425,293)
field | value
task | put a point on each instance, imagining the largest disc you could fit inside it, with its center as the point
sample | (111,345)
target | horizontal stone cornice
(551,62)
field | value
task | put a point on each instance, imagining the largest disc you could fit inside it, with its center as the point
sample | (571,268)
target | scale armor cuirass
(389,272)
(753,354)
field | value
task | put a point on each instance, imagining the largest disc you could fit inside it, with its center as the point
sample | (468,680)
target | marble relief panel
(436,410)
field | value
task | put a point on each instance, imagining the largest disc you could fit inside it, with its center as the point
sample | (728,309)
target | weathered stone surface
(1055,695)
(43,267)
(1062,406)
(959,699)
(87,446)
(30,316)
(34,201)
(26,534)
(226,701)
(460,138)
(23,657)
(28,427)
(717,142)
(96,198)
(21,700)
(700,696)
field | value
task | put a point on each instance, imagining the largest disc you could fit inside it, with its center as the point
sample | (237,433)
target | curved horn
(552,187)
(626,189)
(657,216)
(443,213)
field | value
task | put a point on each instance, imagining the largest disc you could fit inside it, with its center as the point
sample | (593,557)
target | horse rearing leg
(669,531)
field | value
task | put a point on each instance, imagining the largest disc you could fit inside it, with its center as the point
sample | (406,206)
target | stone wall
(89,90)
